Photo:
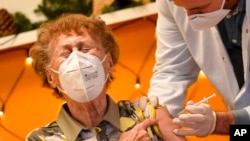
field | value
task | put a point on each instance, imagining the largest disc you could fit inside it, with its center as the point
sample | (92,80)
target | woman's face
(64,44)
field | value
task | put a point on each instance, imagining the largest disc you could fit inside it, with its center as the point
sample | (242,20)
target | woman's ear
(110,64)
(51,78)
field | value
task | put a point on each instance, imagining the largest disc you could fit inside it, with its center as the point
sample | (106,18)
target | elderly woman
(75,55)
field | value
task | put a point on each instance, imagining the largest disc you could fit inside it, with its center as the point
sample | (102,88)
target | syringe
(205,99)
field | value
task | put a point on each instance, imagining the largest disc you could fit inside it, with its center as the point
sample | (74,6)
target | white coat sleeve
(175,69)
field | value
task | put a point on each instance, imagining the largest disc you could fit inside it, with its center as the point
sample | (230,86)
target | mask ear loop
(223,2)
(55,71)
(110,79)
(108,76)
(104,58)
(59,89)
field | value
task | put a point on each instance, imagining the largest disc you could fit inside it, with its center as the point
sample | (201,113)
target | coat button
(234,41)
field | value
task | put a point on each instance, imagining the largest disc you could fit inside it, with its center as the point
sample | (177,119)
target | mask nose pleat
(71,71)
(90,86)
(82,68)
(79,89)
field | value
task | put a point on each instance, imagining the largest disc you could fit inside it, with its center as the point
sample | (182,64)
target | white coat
(182,52)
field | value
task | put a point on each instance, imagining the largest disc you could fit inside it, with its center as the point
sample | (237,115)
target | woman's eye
(65,54)
(85,50)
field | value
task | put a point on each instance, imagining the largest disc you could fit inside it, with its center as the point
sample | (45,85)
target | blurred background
(26,105)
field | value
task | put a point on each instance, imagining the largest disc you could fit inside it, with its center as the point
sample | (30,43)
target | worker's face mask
(81,76)
(207,20)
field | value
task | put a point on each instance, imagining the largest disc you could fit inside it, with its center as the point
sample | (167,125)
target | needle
(205,99)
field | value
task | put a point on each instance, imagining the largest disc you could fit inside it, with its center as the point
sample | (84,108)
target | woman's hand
(139,132)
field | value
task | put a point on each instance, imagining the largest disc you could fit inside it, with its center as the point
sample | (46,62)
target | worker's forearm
(223,122)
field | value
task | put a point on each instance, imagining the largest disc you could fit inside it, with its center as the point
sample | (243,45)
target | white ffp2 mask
(207,20)
(82,76)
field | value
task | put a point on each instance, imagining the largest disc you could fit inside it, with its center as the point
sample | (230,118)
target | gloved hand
(143,101)
(200,120)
